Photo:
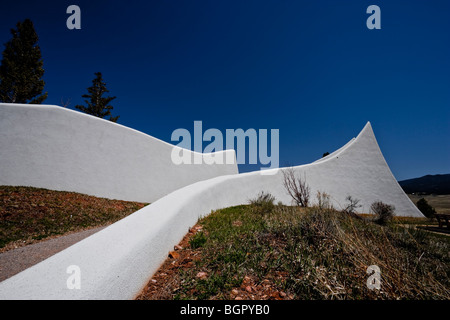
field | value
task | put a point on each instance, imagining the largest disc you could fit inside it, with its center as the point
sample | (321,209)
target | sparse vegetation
(441,202)
(351,206)
(30,214)
(383,212)
(323,200)
(304,253)
(296,187)
(263,203)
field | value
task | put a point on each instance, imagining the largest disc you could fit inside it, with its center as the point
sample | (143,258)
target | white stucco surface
(56,148)
(118,261)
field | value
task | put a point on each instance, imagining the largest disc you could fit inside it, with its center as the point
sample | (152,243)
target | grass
(31,214)
(198,240)
(262,251)
(441,203)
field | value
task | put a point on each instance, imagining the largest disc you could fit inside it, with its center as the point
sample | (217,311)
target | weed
(198,240)
(263,203)
(384,212)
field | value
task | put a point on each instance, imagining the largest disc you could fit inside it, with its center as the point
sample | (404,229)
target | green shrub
(198,240)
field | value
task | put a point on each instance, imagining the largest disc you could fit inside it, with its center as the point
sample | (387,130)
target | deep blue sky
(311,69)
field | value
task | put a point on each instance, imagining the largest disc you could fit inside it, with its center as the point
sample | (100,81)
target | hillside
(265,251)
(28,215)
(429,184)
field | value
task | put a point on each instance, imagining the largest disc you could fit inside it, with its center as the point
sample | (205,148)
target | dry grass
(277,252)
(441,203)
(28,214)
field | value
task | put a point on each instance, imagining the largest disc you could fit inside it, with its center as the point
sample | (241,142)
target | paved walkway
(17,260)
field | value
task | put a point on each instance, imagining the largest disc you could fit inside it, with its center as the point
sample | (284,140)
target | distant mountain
(429,184)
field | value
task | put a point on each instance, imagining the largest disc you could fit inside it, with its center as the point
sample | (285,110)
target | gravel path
(17,260)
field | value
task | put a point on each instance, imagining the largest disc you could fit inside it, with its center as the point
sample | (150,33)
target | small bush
(296,187)
(263,199)
(352,205)
(263,203)
(323,200)
(198,240)
(384,212)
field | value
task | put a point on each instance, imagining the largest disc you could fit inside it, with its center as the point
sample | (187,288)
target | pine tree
(97,105)
(21,69)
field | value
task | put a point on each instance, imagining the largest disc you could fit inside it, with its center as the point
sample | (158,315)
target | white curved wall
(60,149)
(118,261)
